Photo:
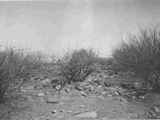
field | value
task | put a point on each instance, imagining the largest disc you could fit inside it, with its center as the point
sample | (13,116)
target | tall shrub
(141,54)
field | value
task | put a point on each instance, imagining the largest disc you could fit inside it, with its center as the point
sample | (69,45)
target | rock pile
(96,84)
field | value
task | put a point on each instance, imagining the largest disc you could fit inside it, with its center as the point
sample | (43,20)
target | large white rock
(46,81)
(92,114)
(41,94)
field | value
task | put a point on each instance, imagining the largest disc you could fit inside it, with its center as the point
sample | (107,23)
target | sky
(58,26)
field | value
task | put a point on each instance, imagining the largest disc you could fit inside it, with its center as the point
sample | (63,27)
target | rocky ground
(98,98)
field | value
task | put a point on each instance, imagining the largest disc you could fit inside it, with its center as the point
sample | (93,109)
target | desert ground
(99,97)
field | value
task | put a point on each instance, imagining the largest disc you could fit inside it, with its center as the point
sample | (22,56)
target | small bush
(141,55)
(78,65)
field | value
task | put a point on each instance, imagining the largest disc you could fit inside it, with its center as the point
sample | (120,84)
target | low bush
(78,65)
(141,54)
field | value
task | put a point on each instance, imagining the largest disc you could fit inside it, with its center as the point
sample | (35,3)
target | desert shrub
(78,65)
(15,68)
(141,54)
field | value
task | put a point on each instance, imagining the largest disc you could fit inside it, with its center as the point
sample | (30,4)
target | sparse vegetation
(15,68)
(142,56)
(77,66)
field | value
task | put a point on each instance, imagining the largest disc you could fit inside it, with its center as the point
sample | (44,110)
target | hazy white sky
(60,25)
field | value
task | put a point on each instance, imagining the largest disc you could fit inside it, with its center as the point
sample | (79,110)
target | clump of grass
(141,54)
(77,66)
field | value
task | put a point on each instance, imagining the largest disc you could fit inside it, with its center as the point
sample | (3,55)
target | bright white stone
(88,115)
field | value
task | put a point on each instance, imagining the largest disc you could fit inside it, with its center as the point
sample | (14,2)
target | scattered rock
(123,100)
(141,97)
(54,111)
(105,118)
(104,92)
(83,94)
(116,93)
(133,97)
(78,88)
(109,95)
(107,84)
(28,88)
(22,89)
(58,87)
(61,111)
(36,118)
(92,114)
(52,100)
(46,81)
(154,112)
(138,85)
(156,109)
(41,94)
(67,90)
(81,106)
(69,111)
